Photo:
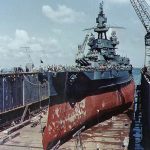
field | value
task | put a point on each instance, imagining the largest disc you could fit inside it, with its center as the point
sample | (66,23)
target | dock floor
(112,134)
(29,138)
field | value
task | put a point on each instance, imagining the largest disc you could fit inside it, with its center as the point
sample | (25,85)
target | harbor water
(136,132)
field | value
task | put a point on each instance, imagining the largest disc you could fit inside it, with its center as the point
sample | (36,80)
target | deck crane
(81,47)
(80,54)
(142,9)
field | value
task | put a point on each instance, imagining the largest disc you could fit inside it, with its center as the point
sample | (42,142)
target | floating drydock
(108,134)
(101,83)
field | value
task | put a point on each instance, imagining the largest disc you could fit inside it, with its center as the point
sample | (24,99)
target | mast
(101,21)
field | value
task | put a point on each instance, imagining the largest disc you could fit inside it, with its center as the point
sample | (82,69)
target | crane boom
(142,9)
(26,48)
(81,48)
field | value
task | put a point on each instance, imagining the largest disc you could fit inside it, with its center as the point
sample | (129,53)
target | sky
(53,29)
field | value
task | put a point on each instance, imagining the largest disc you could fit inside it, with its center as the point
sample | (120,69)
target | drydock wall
(145,100)
(20,90)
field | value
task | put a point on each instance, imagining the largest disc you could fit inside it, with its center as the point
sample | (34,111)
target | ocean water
(137,75)
(136,127)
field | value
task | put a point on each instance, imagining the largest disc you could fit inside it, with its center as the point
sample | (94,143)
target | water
(136,127)
(137,75)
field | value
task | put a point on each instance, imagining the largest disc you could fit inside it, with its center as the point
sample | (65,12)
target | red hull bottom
(63,118)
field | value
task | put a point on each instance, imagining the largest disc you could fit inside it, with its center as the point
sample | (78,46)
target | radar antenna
(101,7)
(112,27)
(142,10)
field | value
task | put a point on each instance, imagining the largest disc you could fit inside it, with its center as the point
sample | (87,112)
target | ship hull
(71,109)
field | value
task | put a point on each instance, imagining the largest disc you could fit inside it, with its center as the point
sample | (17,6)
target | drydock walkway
(112,134)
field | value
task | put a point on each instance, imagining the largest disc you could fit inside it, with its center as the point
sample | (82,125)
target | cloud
(148,2)
(62,14)
(50,50)
(57,31)
(21,38)
(12,51)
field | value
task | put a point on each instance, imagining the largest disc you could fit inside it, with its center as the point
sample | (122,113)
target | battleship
(100,83)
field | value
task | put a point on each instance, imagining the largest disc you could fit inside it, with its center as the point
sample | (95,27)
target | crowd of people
(64,68)
(61,68)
